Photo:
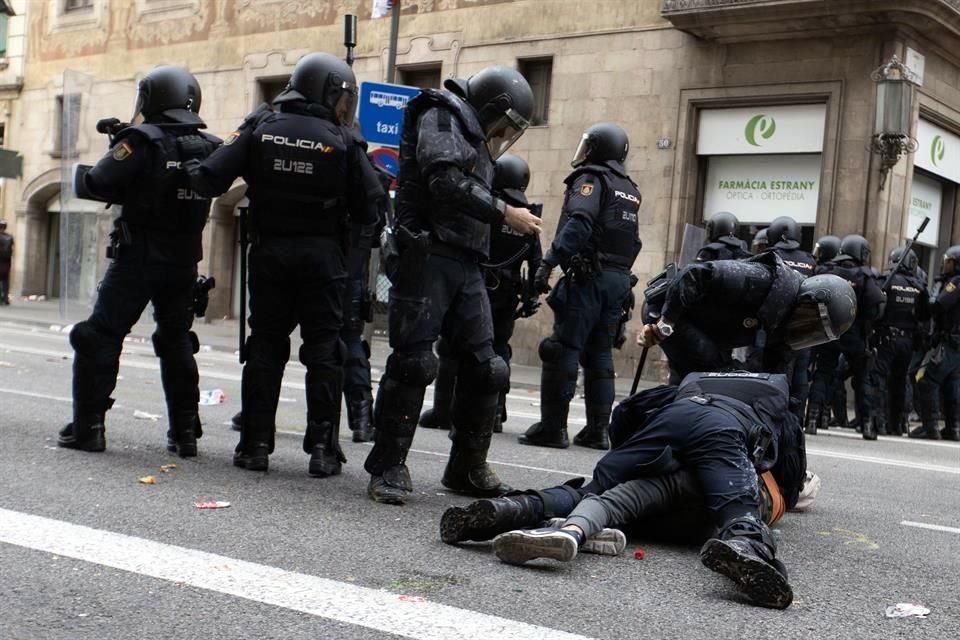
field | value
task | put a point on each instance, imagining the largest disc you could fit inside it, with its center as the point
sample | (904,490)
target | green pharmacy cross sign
(759,129)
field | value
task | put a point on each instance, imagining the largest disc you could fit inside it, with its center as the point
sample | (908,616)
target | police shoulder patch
(231,138)
(122,151)
(586,189)
(951,287)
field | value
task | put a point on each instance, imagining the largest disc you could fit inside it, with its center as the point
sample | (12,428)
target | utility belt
(582,267)
(127,238)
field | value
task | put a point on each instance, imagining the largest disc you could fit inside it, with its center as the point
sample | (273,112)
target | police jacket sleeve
(365,195)
(214,175)
(873,298)
(443,155)
(692,285)
(950,294)
(120,169)
(581,205)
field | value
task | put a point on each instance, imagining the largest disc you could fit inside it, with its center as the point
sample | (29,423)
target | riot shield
(694,238)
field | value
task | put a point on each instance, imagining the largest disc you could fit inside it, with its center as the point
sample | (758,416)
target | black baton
(636,377)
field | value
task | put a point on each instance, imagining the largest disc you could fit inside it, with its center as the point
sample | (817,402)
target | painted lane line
(340,601)
(932,527)
(31,394)
(853,435)
(884,461)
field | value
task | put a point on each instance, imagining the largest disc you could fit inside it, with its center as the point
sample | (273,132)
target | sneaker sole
(388,499)
(608,542)
(519,547)
(761,582)
(460,524)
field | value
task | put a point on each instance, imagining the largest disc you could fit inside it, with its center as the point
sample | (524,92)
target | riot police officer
(722,230)
(445,209)
(896,334)
(759,243)
(596,243)
(825,250)
(306,174)
(940,369)
(850,264)
(777,311)
(155,247)
(6,257)
(510,292)
(783,236)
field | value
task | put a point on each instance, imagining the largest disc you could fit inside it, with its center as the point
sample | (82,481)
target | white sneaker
(608,542)
(517,547)
(809,491)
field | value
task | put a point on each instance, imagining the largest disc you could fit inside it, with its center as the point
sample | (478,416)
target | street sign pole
(394,31)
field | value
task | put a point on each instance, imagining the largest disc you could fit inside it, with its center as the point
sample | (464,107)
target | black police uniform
(357,387)
(940,368)
(852,345)
(156,244)
(6,256)
(305,175)
(895,336)
(728,248)
(444,215)
(596,244)
(708,325)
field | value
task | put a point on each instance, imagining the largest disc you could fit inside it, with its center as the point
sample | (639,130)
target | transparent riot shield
(694,238)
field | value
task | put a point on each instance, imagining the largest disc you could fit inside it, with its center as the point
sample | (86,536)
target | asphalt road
(86,551)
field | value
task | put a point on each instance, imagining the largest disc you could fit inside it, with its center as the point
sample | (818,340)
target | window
(67,118)
(270,88)
(3,132)
(73,5)
(538,72)
(4,18)
(421,76)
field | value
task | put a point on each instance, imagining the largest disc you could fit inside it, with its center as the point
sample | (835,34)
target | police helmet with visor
(826,249)
(171,92)
(760,241)
(511,177)
(721,225)
(503,100)
(826,308)
(909,264)
(854,247)
(602,142)
(951,261)
(326,80)
(784,232)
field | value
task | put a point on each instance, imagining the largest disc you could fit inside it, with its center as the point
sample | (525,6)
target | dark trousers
(5,282)
(893,362)
(128,285)
(293,280)
(940,376)
(356,367)
(827,358)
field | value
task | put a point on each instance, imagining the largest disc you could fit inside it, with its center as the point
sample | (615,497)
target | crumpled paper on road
(907,610)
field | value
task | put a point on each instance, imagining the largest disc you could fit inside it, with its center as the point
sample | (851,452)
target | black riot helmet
(511,177)
(784,232)
(326,80)
(854,247)
(171,92)
(951,261)
(826,249)
(760,242)
(602,142)
(722,224)
(3,225)
(826,307)
(503,100)
(909,264)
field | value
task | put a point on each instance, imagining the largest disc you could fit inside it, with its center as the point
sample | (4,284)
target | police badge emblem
(950,288)
(586,189)
(122,152)
(750,323)
(231,138)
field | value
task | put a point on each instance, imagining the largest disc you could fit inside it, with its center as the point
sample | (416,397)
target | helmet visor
(345,109)
(583,150)
(504,131)
(810,326)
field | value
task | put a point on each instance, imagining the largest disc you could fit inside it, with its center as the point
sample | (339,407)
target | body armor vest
(947,320)
(416,207)
(903,294)
(721,250)
(615,240)
(798,260)
(858,277)
(297,172)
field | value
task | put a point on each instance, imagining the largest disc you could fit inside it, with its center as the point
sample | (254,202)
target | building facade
(759,107)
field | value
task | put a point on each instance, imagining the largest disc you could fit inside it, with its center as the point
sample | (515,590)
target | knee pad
(268,351)
(85,339)
(322,353)
(492,375)
(551,349)
(416,369)
(166,343)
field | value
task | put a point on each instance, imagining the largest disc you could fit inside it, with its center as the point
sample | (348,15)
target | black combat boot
(485,519)
(395,413)
(360,415)
(256,442)
(322,442)
(951,428)
(813,420)
(85,433)
(928,403)
(501,416)
(745,551)
(255,457)
(182,436)
(596,434)
(869,431)
(443,389)
(551,431)
(467,469)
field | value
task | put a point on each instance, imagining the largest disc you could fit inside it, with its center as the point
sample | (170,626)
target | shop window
(270,88)
(420,76)
(75,5)
(4,22)
(539,73)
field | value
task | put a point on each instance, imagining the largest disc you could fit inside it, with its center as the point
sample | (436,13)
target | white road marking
(884,461)
(850,434)
(411,617)
(32,394)
(932,527)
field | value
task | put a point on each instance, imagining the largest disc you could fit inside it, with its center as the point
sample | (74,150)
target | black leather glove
(541,279)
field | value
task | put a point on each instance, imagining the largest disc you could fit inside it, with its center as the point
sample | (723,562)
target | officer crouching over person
(509,289)
(306,174)
(155,248)
(451,139)
(596,244)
